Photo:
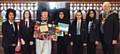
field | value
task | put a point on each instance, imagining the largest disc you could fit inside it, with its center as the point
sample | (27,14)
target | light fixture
(52,5)
(71,4)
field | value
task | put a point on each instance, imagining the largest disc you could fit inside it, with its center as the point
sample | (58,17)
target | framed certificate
(44,28)
(63,27)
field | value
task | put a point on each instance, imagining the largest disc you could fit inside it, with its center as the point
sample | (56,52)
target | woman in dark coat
(63,40)
(92,31)
(78,33)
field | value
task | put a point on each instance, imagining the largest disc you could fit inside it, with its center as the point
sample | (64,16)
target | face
(78,15)
(27,14)
(44,15)
(61,15)
(11,16)
(106,6)
(91,14)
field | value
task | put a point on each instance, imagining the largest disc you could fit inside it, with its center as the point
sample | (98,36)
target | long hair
(88,18)
(29,14)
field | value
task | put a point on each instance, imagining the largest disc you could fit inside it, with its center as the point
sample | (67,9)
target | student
(78,33)
(26,33)
(93,32)
(62,41)
(43,43)
(9,32)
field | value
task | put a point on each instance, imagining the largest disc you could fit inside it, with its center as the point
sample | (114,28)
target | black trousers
(9,50)
(28,49)
(91,48)
(62,44)
(108,47)
(77,46)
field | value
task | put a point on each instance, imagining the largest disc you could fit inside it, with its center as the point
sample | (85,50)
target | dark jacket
(27,32)
(110,27)
(9,35)
(83,31)
(93,35)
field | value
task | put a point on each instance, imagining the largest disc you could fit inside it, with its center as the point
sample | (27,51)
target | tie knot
(26,23)
(11,24)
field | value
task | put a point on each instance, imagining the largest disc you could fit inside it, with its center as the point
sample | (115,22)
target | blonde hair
(107,3)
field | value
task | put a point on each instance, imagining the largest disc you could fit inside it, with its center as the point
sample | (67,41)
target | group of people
(87,31)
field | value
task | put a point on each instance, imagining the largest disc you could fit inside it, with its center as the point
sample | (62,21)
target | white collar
(11,22)
(27,20)
(79,20)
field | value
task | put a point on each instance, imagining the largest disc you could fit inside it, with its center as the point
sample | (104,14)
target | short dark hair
(44,10)
(24,14)
(40,12)
(10,11)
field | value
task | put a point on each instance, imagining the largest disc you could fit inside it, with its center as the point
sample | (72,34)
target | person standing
(109,28)
(9,32)
(93,32)
(78,33)
(26,33)
(43,43)
(62,40)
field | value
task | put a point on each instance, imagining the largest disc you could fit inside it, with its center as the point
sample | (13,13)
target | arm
(116,26)
(4,30)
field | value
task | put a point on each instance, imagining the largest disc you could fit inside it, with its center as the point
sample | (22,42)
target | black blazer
(83,31)
(111,27)
(9,35)
(27,32)
(93,35)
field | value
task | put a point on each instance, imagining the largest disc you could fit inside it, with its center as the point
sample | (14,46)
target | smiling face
(44,15)
(91,14)
(61,15)
(106,6)
(27,14)
(11,16)
(78,15)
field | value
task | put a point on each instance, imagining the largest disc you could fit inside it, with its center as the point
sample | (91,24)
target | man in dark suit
(9,32)
(26,33)
(109,28)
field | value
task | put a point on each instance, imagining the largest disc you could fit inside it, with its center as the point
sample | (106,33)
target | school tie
(90,26)
(12,27)
(78,27)
(26,24)
(101,28)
